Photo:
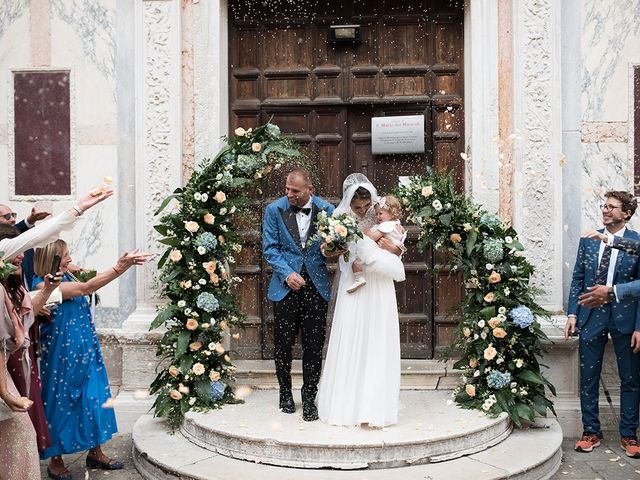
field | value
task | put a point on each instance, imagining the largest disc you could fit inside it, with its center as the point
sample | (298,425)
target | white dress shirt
(614,257)
(304,222)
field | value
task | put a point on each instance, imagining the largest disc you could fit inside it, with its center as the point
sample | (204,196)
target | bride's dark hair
(12,283)
(361,193)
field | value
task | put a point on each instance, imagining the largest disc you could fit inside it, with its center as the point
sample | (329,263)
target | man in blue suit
(299,286)
(599,264)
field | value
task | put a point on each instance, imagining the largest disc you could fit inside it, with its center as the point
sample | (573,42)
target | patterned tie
(603,268)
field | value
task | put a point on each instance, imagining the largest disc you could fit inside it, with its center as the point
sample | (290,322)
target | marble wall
(78,36)
(610,46)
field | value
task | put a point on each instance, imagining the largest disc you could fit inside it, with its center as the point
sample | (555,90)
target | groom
(299,286)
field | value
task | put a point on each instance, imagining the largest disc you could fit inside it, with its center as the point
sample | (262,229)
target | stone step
(430,429)
(529,454)
(415,374)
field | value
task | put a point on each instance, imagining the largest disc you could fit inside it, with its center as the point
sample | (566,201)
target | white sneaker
(360,282)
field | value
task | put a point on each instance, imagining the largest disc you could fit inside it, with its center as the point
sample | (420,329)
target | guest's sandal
(61,476)
(111,465)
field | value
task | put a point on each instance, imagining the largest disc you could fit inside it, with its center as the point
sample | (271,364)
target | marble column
(158,136)
(538,142)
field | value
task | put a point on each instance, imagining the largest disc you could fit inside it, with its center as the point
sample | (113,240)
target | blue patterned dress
(74,379)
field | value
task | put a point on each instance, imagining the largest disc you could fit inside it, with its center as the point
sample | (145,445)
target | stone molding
(604,132)
(538,142)
(158,126)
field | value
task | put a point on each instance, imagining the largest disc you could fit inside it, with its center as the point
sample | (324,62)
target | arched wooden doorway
(408,62)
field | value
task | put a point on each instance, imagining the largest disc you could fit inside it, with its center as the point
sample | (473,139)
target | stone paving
(607,462)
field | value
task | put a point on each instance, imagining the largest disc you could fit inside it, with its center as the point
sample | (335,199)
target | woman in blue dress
(75,386)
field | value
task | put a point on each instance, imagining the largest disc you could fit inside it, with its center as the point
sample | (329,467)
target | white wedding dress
(360,382)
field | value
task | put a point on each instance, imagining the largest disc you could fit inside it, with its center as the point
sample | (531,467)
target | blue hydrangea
(247,163)
(492,250)
(521,316)
(207,302)
(498,380)
(490,219)
(272,131)
(207,240)
(217,390)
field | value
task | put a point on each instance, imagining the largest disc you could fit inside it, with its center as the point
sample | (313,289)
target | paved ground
(607,462)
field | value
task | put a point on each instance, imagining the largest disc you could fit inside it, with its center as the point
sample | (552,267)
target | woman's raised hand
(129,259)
(94,197)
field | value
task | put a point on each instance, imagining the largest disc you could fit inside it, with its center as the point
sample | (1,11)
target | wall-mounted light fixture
(344,34)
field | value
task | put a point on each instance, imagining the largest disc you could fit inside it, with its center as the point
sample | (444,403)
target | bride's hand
(335,253)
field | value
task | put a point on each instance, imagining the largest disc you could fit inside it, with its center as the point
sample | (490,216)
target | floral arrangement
(498,335)
(6,268)
(336,232)
(196,271)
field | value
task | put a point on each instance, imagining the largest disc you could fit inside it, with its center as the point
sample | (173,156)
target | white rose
(240,132)
(197,196)
(508,239)
(202,250)
(192,401)
(204,197)
(481,323)
(223,211)
(181,303)
(489,266)
(233,209)
(202,281)
(437,205)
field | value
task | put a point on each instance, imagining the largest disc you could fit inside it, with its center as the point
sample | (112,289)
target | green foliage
(496,274)
(199,226)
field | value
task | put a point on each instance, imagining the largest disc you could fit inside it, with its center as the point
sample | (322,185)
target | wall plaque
(397,134)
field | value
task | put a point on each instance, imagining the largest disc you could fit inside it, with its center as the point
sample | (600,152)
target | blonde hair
(43,257)
(391,204)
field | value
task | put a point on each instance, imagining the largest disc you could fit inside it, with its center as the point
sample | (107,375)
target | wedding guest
(75,386)
(599,264)
(622,292)
(299,287)
(19,452)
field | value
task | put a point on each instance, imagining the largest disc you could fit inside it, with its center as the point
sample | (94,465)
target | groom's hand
(295,281)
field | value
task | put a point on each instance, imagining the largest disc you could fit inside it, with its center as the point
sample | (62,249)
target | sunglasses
(9,216)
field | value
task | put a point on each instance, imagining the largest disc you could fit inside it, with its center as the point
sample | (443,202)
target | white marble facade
(149,88)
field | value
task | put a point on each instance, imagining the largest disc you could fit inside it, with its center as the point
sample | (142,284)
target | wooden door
(409,62)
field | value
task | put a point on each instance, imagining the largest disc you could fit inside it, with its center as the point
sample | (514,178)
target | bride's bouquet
(336,232)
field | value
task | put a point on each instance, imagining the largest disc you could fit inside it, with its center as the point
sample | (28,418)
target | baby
(388,211)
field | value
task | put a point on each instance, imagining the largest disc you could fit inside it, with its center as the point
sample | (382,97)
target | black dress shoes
(309,410)
(286,404)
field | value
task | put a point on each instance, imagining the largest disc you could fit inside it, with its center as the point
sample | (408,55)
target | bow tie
(295,209)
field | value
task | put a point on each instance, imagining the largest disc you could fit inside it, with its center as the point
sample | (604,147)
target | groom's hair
(361,193)
(303,173)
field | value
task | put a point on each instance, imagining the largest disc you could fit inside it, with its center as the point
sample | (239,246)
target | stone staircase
(434,439)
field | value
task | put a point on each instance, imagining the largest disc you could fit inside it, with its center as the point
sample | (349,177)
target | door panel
(409,62)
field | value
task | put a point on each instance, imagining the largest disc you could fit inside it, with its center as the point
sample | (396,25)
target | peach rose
(220,197)
(499,332)
(494,277)
(426,191)
(455,238)
(195,346)
(474,282)
(256,147)
(494,322)
(210,267)
(198,368)
(174,371)
(240,132)
(221,239)
(191,226)
(489,297)
(219,348)
(227,358)
(214,278)
(214,376)
(473,362)
(176,395)
(209,219)
(223,325)
(470,389)
(192,324)
(341,230)
(490,352)
(175,255)
(183,389)
(466,332)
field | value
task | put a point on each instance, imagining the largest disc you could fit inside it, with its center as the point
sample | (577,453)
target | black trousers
(301,309)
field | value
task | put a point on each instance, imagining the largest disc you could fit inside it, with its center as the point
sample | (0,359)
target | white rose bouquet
(336,232)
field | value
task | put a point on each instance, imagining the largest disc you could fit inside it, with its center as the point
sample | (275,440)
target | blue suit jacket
(626,316)
(281,247)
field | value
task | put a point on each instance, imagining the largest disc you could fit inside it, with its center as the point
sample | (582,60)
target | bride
(360,382)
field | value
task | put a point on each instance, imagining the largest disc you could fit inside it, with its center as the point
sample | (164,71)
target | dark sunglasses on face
(9,216)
